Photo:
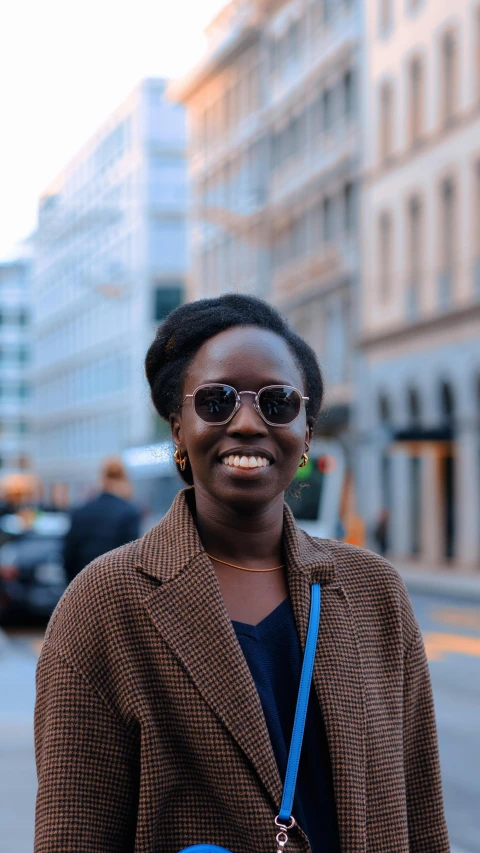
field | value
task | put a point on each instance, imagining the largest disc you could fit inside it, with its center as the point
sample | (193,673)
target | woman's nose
(247,420)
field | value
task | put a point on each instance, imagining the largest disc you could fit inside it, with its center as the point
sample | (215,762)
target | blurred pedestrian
(103,523)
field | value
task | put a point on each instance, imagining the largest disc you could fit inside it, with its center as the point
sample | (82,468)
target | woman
(170,669)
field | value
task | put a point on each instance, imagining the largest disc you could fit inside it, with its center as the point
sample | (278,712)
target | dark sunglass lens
(280,405)
(215,403)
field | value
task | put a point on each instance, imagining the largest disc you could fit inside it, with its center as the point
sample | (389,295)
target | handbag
(285,821)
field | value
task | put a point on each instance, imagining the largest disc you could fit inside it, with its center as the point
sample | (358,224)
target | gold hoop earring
(304,459)
(180,460)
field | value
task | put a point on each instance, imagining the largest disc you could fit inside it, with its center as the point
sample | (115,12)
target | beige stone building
(419,398)
(274,154)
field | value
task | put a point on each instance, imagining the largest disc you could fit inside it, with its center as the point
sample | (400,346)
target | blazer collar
(169,547)
(187,609)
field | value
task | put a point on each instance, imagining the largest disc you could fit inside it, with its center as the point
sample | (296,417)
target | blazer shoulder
(98,596)
(371,581)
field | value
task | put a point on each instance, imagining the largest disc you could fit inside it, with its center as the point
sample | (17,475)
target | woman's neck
(250,538)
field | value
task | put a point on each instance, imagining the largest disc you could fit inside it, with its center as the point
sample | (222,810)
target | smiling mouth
(244,461)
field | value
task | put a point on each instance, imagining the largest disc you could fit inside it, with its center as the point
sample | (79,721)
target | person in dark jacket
(104,523)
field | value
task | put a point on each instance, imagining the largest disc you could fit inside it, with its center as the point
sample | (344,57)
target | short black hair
(185,329)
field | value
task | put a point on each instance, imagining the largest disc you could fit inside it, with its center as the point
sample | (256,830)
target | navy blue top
(274,655)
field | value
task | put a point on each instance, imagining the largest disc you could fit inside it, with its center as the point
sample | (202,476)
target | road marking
(463,617)
(437,645)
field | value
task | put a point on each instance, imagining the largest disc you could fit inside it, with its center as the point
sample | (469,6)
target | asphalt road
(451,629)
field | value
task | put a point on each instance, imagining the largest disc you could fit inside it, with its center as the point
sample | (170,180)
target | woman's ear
(176,430)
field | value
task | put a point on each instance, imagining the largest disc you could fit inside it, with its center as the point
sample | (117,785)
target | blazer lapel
(337,678)
(188,611)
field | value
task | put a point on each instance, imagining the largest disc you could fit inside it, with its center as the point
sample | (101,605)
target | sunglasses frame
(238,402)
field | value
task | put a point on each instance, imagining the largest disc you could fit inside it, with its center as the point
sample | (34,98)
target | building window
(416,85)
(292,42)
(448,225)
(414,256)
(414,407)
(327,100)
(385,16)
(348,86)
(253,89)
(384,409)
(328,10)
(166,298)
(386,121)
(328,220)
(385,255)
(349,208)
(449,75)
(294,137)
(316,108)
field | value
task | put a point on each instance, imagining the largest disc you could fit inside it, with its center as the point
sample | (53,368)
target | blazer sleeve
(426,820)
(86,767)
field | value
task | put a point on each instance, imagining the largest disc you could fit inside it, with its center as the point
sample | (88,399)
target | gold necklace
(242,568)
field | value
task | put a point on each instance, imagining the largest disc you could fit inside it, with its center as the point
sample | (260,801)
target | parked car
(32,577)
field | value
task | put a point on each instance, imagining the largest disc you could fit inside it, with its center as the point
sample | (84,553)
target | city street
(451,629)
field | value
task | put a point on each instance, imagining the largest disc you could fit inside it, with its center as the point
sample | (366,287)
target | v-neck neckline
(267,624)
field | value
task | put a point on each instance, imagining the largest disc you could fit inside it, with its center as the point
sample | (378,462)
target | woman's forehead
(245,353)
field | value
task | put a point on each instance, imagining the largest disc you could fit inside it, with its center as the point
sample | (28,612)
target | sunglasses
(277,405)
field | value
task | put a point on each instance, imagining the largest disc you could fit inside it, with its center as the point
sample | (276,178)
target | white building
(419,402)
(14,364)
(274,161)
(110,262)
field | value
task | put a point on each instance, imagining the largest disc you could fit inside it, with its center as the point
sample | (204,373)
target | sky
(64,66)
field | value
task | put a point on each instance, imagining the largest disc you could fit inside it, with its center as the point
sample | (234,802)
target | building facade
(419,394)
(14,366)
(274,161)
(110,262)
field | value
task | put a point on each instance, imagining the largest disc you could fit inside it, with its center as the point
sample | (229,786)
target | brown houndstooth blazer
(149,732)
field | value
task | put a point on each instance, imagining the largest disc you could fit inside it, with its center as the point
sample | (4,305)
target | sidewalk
(17,765)
(446,583)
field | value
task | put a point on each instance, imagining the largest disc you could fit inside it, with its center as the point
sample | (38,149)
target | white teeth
(246,461)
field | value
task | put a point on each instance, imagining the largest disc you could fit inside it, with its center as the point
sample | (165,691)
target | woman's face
(248,358)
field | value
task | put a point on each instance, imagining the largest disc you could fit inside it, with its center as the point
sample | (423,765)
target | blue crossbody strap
(302,704)
(284,820)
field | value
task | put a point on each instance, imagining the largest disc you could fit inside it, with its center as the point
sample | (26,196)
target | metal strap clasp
(282,836)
